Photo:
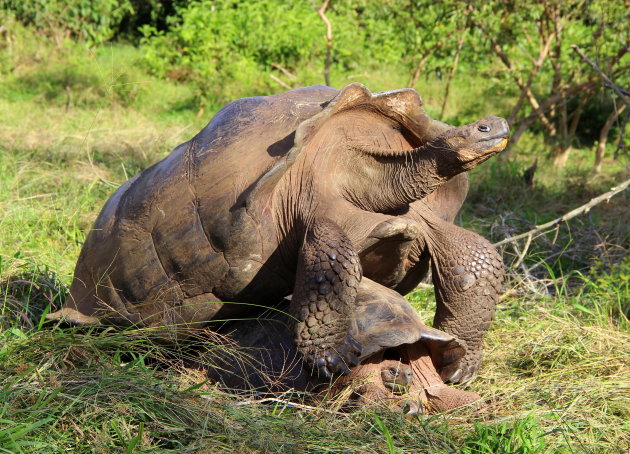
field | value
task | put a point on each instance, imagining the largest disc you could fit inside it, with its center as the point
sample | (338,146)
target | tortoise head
(474,143)
(396,376)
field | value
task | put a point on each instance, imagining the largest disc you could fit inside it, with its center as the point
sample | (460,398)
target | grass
(556,374)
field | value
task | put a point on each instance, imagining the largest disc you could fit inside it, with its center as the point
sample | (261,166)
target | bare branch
(624,97)
(284,71)
(570,215)
(603,137)
(545,105)
(426,55)
(526,91)
(279,82)
(460,44)
(536,65)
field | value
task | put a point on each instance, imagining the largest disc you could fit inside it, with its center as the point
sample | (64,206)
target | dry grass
(574,378)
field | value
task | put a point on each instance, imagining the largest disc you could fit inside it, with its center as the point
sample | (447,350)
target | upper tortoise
(304,192)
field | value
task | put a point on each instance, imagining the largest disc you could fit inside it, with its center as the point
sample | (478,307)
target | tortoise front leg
(467,273)
(326,284)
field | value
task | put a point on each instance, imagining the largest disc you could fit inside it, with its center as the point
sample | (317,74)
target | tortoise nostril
(483,128)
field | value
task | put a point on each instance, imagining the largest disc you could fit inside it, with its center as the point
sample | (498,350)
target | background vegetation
(92,92)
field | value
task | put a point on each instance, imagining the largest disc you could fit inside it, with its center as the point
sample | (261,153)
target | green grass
(556,374)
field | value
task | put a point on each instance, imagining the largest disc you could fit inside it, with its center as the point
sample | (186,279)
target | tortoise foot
(467,368)
(329,361)
(327,279)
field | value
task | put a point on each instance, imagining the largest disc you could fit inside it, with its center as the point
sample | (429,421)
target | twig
(570,215)
(528,278)
(425,57)
(30,197)
(89,155)
(96,170)
(284,71)
(521,256)
(449,79)
(624,97)
(280,82)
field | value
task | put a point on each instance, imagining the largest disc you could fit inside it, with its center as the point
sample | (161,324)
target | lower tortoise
(397,365)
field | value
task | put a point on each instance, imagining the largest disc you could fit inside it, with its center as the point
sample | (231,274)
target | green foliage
(605,294)
(229,48)
(534,40)
(93,21)
(225,45)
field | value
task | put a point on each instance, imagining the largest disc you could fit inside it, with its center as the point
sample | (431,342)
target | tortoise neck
(385,183)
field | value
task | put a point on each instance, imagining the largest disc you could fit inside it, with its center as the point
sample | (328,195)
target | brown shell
(196,230)
(383,321)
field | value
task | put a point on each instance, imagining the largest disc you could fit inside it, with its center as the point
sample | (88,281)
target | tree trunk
(561,154)
(563,149)
(603,137)
(329,41)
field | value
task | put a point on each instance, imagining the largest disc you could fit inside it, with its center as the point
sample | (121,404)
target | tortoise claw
(323,372)
(454,378)
(338,361)
(463,374)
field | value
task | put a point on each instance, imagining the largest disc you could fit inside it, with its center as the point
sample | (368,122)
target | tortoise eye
(393,371)
(483,128)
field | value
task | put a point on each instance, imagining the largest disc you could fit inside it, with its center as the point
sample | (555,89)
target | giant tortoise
(303,193)
(397,363)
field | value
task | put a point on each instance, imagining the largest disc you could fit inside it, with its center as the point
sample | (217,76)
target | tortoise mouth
(494,144)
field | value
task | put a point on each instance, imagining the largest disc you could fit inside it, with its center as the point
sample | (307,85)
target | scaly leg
(467,274)
(326,284)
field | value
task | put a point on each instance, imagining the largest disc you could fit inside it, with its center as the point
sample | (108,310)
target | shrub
(93,21)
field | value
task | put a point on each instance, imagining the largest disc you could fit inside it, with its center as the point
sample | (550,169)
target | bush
(226,45)
(93,21)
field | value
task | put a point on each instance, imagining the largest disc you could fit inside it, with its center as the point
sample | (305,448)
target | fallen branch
(565,217)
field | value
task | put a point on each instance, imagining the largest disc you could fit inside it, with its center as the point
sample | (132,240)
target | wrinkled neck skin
(367,161)
(388,183)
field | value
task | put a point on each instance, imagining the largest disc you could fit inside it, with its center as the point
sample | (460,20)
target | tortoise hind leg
(326,285)
(467,273)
